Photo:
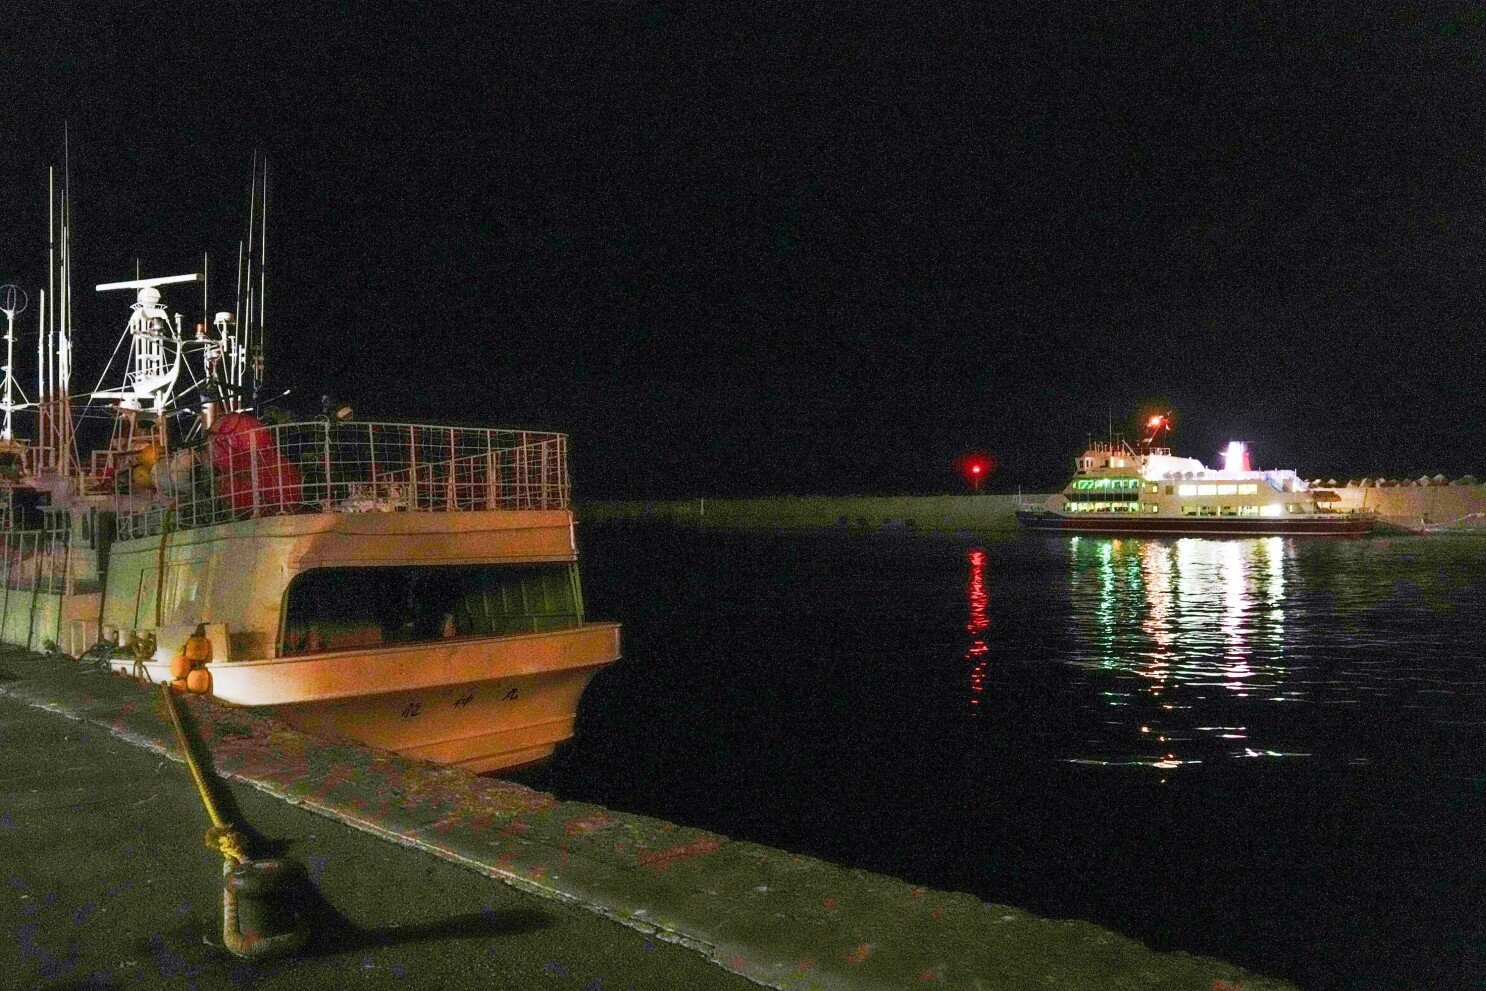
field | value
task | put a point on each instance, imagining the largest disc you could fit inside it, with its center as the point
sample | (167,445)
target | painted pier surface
(778,919)
(107,885)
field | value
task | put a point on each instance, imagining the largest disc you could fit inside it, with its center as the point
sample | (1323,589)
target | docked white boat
(414,587)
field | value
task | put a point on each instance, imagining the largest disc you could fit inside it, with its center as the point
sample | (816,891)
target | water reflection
(1167,625)
(976,654)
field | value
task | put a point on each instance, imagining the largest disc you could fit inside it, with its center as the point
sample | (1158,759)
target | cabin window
(354,608)
(1249,488)
(1189,510)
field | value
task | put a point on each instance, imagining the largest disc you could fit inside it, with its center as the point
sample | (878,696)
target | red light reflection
(977,654)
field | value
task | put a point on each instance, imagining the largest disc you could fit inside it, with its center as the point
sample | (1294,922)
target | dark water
(1273,751)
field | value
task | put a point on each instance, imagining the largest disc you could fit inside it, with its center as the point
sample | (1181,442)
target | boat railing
(347,467)
(32,561)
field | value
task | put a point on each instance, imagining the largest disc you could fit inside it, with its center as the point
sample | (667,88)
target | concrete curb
(784,921)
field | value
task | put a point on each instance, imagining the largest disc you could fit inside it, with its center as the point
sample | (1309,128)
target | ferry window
(355,608)
(1227,489)
(1248,489)
(1171,490)
(1206,511)
(1207,490)
(1186,490)
(1189,510)
(1271,509)
(1227,511)
(1153,508)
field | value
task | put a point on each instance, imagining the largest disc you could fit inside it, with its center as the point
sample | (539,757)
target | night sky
(744,251)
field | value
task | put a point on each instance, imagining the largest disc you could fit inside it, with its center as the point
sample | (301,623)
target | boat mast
(257,342)
(12,301)
(48,321)
(62,426)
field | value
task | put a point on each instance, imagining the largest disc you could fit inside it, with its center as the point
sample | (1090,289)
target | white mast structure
(13,300)
(155,352)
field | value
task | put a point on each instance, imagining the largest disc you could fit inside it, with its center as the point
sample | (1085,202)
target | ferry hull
(1199,526)
(483,704)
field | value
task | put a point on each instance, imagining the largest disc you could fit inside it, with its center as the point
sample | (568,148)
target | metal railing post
(412,467)
(452,471)
(371,447)
(490,479)
(327,466)
(253,466)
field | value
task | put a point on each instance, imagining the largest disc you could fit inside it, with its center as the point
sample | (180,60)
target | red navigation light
(975,467)
(1155,425)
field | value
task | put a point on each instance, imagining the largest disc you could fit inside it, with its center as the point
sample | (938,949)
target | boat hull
(481,703)
(1130,525)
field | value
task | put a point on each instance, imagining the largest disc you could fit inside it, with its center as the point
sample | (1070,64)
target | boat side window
(355,608)
(1189,510)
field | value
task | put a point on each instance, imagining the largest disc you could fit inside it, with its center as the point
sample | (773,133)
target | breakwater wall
(944,512)
(1410,505)
(1414,504)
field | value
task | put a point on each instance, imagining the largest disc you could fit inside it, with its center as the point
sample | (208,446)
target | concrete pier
(733,910)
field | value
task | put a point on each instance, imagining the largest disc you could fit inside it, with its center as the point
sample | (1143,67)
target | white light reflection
(1192,630)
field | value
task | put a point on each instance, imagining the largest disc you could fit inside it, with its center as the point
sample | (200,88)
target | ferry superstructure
(1145,489)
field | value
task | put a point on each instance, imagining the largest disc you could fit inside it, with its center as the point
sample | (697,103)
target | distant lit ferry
(1122,489)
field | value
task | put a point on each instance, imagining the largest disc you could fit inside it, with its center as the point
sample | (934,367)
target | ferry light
(1155,425)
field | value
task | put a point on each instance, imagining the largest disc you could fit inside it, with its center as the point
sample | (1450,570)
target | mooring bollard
(257,919)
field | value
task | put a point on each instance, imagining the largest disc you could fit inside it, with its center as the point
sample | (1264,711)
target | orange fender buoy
(198,647)
(180,666)
(199,681)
